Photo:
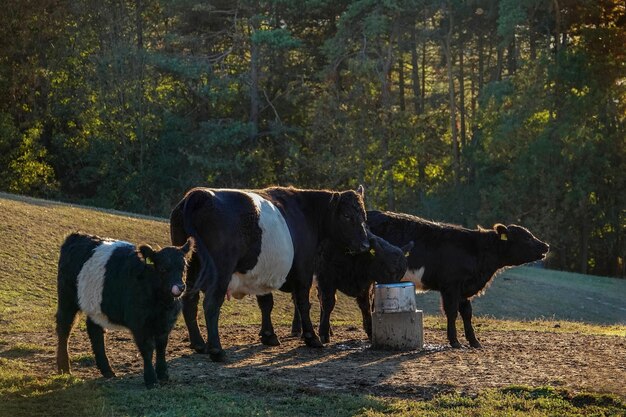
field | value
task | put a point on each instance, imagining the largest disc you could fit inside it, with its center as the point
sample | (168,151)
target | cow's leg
(213,300)
(190,314)
(465,308)
(66,314)
(363,300)
(146,348)
(451,308)
(327,300)
(301,289)
(266,304)
(296,323)
(161,365)
(96,337)
(190,303)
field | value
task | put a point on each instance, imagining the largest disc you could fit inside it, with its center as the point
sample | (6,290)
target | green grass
(25,394)
(31,232)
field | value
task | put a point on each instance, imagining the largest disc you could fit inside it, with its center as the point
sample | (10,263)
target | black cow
(120,286)
(257,241)
(457,262)
(354,275)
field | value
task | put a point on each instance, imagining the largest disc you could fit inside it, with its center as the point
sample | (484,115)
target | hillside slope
(526,368)
(31,231)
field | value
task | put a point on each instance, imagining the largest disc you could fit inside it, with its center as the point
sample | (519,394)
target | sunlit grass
(513,401)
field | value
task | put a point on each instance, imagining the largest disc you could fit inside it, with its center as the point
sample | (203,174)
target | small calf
(457,262)
(354,275)
(120,286)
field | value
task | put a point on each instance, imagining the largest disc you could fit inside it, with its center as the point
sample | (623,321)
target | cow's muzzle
(178,289)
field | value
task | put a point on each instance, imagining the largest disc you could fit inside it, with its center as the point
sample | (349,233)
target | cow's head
(346,222)
(169,265)
(518,246)
(389,262)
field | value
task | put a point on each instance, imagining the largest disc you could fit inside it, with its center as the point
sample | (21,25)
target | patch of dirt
(348,364)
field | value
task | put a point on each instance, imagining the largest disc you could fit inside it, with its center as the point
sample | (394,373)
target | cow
(120,286)
(258,241)
(354,275)
(458,262)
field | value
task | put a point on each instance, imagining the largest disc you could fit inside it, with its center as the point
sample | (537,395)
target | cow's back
(75,251)
(440,251)
(244,230)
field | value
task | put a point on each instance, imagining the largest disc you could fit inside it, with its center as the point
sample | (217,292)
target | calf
(257,241)
(457,262)
(354,276)
(120,286)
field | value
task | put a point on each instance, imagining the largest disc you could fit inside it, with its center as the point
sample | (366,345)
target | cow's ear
(502,231)
(406,249)
(361,190)
(188,247)
(147,253)
(374,242)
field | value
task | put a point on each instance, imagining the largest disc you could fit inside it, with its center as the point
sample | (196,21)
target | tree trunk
(415,82)
(254,83)
(497,76)
(481,63)
(139,129)
(462,94)
(447,48)
(423,97)
(511,57)
(532,44)
(386,120)
(584,246)
(401,82)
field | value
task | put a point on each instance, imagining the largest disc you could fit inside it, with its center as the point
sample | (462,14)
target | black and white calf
(120,286)
(354,275)
(257,241)
(457,262)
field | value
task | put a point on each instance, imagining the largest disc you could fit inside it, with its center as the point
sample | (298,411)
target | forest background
(464,111)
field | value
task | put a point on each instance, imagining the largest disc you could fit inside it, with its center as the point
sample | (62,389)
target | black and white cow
(457,262)
(257,241)
(120,286)
(354,275)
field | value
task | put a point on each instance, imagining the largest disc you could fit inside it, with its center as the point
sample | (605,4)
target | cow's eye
(346,216)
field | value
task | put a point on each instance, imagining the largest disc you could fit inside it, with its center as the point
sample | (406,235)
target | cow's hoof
(455,344)
(217,355)
(163,378)
(324,339)
(312,341)
(476,344)
(108,374)
(270,339)
(296,333)
(151,385)
(199,347)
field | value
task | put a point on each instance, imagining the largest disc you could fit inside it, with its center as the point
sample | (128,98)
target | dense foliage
(468,111)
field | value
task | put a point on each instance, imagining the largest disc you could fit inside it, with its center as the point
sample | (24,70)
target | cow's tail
(193,200)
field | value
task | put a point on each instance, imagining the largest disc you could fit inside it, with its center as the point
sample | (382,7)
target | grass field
(520,301)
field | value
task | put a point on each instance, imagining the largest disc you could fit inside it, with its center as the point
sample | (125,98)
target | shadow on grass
(50,396)
(348,367)
(21,351)
(69,397)
(580,400)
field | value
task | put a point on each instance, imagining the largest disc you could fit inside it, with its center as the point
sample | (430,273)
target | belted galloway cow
(120,286)
(457,262)
(258,241)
